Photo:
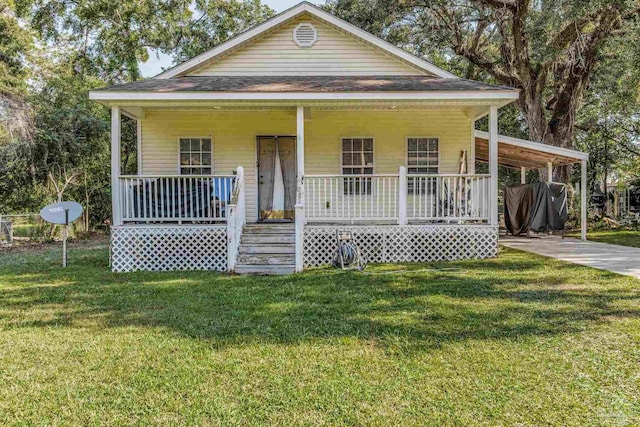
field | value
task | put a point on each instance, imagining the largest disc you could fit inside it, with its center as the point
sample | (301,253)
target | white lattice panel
(171,247)
(404,243)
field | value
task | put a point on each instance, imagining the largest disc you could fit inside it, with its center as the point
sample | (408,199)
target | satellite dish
(61,213)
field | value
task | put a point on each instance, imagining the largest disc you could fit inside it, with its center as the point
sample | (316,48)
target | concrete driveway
(618,259)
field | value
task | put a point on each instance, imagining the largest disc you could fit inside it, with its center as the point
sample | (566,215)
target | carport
(524,155)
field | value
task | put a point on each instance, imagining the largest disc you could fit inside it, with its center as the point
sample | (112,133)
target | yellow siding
(389,130)
(234,138)
(335,53)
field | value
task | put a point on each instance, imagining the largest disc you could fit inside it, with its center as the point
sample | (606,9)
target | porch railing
(175,198)
(398,197)
(357,197)
(448,197)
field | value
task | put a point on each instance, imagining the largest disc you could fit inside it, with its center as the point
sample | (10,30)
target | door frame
(295,137)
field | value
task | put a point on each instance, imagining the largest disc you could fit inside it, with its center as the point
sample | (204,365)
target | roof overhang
(278,20)
(518,153)
(493,96)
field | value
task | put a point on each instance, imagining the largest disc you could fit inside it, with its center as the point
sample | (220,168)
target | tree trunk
(558,134)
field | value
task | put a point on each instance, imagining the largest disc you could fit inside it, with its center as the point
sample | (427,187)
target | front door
(276,177)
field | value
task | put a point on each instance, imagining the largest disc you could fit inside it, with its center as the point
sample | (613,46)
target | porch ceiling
(517,153)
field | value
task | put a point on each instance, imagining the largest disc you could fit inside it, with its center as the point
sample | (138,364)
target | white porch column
(493,163)
(583,199)
(115,165)
(300,142)
(139,144)
(549,171)
(523,175)
(299,208)
(402,199)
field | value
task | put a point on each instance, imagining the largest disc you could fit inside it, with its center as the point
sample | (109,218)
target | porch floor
(615,258)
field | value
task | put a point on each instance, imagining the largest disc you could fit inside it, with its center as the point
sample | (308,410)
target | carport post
(523,175)
(550,171)
(583,200)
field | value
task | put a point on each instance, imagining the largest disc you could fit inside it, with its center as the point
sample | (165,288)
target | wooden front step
(267,238)
(267,270)
(268,229)
(267,259)
(267,249)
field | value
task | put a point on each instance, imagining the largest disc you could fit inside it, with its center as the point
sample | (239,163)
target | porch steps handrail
(236,219)
(300,222)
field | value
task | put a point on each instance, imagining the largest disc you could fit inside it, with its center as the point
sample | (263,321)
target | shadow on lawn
(493,299)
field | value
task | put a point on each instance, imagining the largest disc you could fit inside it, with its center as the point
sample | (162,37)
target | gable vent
(305,35)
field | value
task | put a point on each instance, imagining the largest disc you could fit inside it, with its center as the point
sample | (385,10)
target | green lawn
(616,237)
(520,341)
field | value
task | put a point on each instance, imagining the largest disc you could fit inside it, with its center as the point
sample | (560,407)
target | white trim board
(537,146)
(292,13)
(103,95)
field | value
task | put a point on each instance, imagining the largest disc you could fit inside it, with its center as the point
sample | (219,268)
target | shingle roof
(320,84)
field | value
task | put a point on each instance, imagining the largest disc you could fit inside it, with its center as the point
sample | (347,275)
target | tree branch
(499,4)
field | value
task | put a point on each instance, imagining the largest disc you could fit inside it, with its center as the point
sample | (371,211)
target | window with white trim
(196,157)
(422,159)
(357,159)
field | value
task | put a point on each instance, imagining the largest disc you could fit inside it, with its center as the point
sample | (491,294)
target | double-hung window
(196,156)
(357,159)
(422,159)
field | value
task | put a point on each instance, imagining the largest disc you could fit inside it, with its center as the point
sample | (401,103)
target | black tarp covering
(164,197)
(549,208)
(539,207)
(518,201)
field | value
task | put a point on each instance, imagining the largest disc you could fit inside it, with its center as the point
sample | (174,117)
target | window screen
(195,156)
(357,159)
(422,159)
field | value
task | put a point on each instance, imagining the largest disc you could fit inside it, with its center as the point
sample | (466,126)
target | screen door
(277,177)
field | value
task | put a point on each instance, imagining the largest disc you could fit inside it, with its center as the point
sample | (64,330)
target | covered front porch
(402,216)
(380,195)
(395,169)
(337,175)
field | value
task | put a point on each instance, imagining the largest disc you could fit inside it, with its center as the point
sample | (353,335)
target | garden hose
(347,254)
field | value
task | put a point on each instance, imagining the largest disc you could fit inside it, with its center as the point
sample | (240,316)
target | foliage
(577,63)
(88,44)
(15,48)
(519,340)
(217,20)
(609,123)
(550,50)
(112,38)
(15,43)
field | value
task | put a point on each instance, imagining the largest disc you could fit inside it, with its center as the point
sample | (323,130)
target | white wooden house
(253,154)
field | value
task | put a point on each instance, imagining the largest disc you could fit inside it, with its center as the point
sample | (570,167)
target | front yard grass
(616,237)
(520,340)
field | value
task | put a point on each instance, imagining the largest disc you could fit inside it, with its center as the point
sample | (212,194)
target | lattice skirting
(170,247)
(412,243)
